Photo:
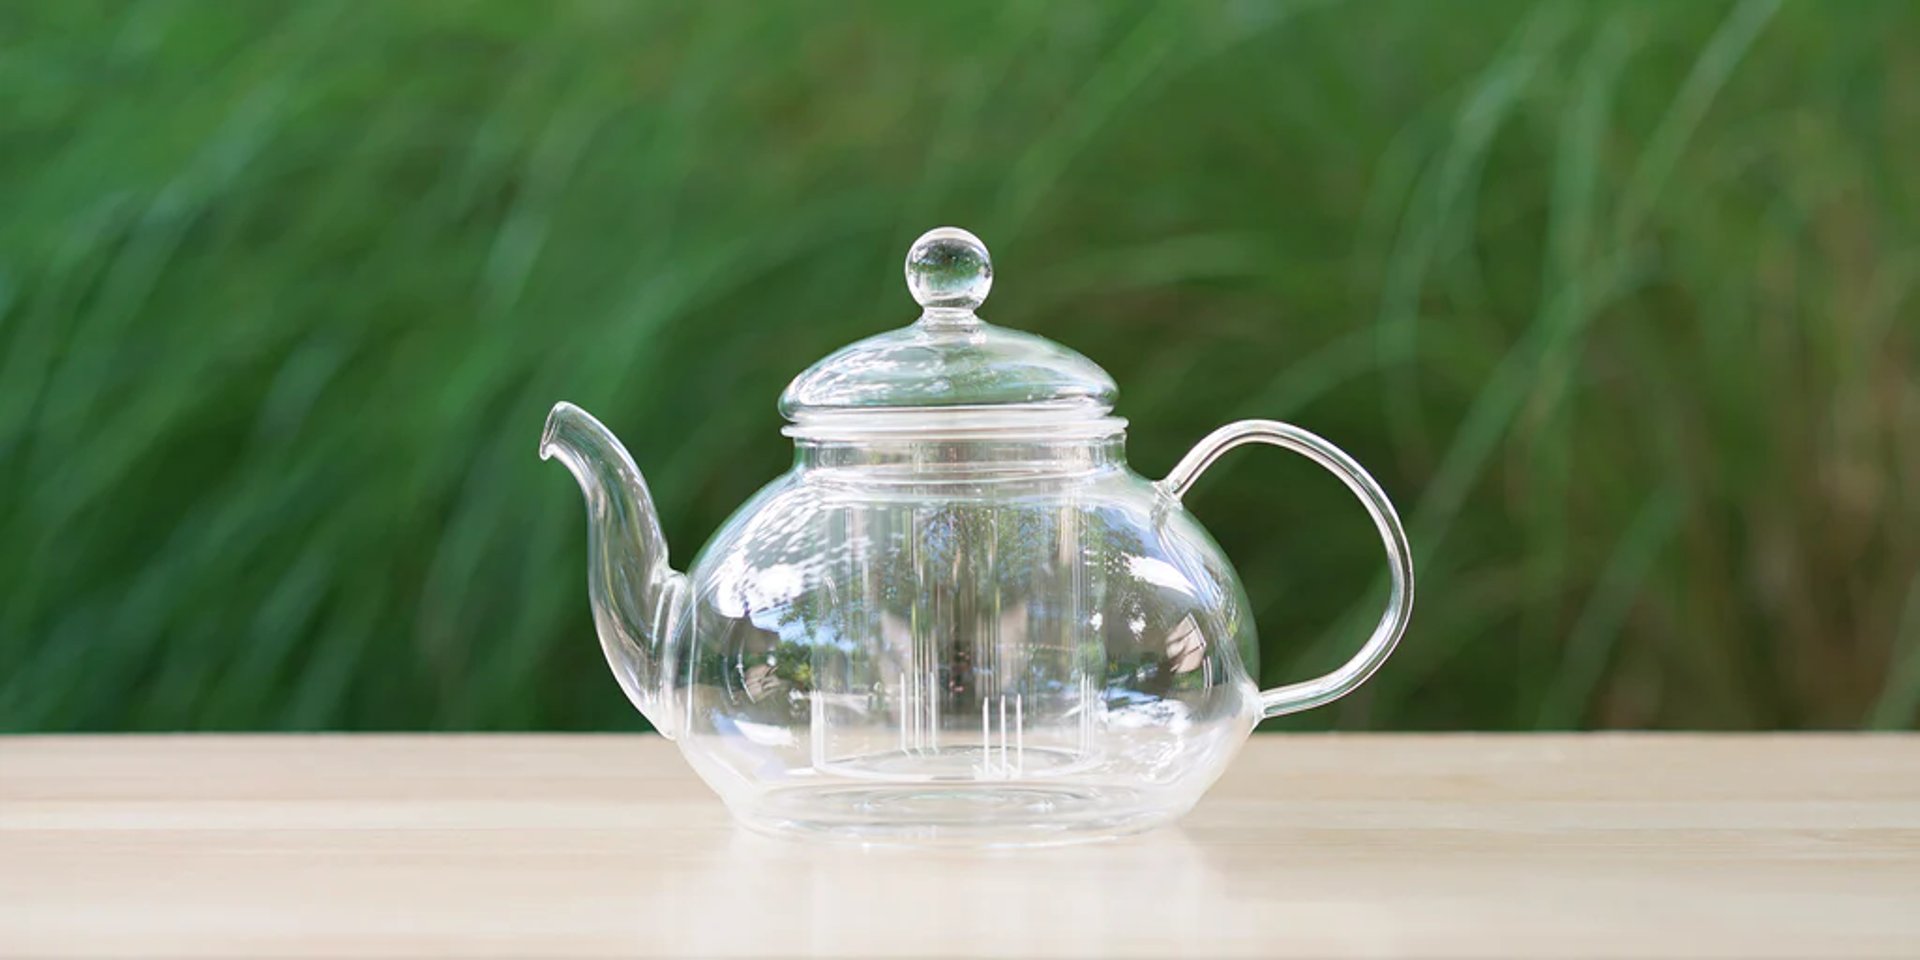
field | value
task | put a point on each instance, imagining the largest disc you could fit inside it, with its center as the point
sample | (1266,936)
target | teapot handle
(1308,694)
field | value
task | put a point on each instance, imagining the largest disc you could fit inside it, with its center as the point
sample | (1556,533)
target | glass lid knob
(948,269)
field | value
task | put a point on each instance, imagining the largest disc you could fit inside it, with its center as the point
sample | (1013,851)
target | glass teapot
(959,616)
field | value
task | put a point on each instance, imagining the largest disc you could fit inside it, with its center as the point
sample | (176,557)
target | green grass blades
(1616,299)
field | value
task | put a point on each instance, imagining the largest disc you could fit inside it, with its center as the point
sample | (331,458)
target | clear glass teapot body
(959,616)
(1014,635)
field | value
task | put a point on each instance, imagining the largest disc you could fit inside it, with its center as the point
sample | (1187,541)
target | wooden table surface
(1312,845)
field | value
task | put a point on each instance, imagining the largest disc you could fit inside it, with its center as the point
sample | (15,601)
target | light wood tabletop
(1317,845)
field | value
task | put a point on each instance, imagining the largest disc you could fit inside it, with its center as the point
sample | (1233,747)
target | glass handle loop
(1307,694)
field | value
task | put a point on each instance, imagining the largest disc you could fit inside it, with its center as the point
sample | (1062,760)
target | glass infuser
(960,616)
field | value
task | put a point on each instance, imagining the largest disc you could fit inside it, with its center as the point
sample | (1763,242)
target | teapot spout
(635,595)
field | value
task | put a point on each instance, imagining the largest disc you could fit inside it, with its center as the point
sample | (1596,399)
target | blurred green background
(1616,299)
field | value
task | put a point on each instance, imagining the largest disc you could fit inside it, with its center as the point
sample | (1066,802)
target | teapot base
(960,814)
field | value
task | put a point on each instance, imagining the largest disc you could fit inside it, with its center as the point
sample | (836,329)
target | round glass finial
(948,268)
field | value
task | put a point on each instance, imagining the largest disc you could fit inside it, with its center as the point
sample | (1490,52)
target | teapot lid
(950,361)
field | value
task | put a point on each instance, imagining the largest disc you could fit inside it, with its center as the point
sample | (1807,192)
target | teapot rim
(1026,421)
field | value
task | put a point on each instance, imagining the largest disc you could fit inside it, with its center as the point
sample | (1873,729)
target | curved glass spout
(635,595)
